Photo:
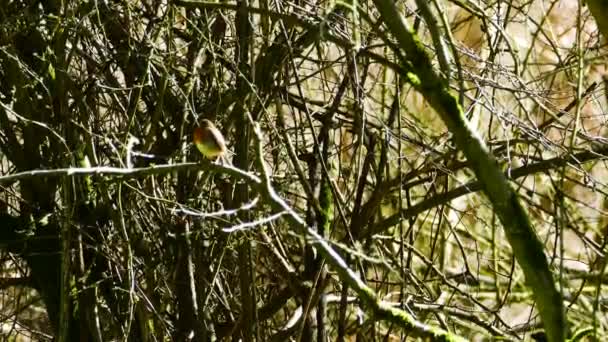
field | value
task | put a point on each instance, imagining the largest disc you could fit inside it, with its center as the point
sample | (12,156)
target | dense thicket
(436,177)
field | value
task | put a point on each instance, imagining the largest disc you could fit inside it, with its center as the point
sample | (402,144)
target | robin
(209,140)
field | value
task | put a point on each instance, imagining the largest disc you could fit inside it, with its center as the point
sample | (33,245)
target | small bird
(209,140)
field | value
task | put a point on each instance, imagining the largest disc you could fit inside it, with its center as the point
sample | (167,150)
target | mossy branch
(527,248)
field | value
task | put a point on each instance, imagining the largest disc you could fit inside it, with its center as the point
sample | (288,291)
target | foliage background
(350,146)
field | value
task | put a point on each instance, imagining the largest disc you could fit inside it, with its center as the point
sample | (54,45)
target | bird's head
(206,123)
